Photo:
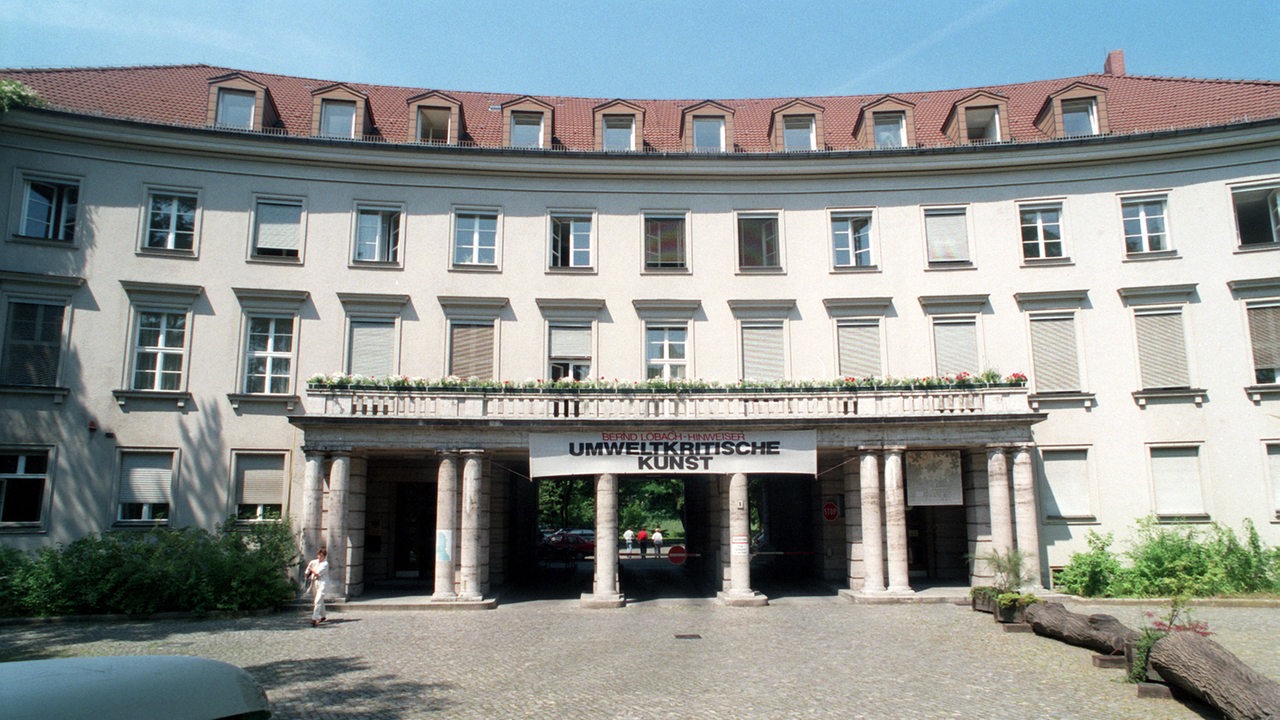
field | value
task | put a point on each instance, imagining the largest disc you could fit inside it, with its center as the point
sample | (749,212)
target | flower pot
(1009,613)
(983,602)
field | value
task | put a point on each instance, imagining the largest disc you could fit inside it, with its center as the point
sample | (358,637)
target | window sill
(1085,400)
(274,260)
(180,398)
(46,242)
(775,270)
(1151,256)
(951,265)
(842,269)
(1258,393)
(163,252)
(666,271)
(1196,395)
(571,271)
(1257,247)
(374,265)
(23,528)
(237,399)
(1071,520)
(475,268)
(1047,262)
(139,524)
(57,393)
(1182,518)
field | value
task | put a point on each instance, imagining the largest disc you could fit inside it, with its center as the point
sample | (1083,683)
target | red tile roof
(178,95)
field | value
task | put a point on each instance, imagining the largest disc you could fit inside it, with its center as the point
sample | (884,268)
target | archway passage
(786,544)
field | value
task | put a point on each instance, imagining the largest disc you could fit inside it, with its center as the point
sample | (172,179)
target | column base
(591,601)
(742,598)
(900,590)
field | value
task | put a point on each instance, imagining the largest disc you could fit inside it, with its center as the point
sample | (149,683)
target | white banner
(933,478)
(673,452)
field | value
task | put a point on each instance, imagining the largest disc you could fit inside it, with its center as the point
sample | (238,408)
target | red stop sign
(830,511)
(677,554)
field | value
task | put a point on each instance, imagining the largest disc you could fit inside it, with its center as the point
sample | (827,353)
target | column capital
(864,449)
(895,449)
(471,451)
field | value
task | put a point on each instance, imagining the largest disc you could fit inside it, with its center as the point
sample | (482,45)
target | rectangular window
(1066,482)
(1079,117)
(259,486)
(377,235)
(890,129)
(955,346)
(708,134)
(570,241)
(372,351)
(1144,225)
(471,350)
(526,129)
(475,239)
(235,108)
(665,351)
(23,477)
(171,221)
(433,124)
(1162,348)
(758,246)
(664,245)
(1264,334)
(277,229)
(763,353)
(1175,476)
(1041,231)
(569,352)
(269,355)
(160,350)
(851,240)
(146,481)
(619,132)
(858,342)
(338,118)
(1054,358)
(797,132)
(947,234)
(1257,216)
(49,209)
(32,344)
(982,124)
(1273,469)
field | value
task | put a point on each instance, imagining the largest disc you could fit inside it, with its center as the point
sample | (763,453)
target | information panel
(933,478)
(675,452)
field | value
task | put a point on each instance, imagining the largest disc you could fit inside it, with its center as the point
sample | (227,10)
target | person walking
(629,536)
(318,575)
(657,542)
(643,537)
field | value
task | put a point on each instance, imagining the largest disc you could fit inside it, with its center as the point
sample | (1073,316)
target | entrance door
(937,542)
(415,521)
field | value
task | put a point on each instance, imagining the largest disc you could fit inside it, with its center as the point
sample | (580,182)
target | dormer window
(433,118)
(338,118)
(886,123)
(433,125)
(235,108)
(797,132)
(619,132)
(1079,117)
(238,102)
(526,129)
(982,124)
(890,129)
(1078,110)
(708,134)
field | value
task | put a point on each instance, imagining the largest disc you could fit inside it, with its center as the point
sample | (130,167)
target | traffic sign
(677,554)
(830,511)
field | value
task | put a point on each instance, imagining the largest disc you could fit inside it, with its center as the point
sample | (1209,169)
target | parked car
(567,546)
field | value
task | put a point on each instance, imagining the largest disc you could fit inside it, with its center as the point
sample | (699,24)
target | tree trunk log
(1102,633)
(1210,672)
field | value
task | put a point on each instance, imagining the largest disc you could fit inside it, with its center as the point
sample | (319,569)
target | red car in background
(566,546)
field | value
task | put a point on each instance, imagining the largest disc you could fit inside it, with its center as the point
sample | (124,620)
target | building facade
(924,325)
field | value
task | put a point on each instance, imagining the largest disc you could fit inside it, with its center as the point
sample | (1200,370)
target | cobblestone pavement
(801,657)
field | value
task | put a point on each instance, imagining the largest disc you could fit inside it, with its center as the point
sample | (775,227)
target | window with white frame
(569,351)
(666,350)
(1176,481)
(433,124)
(1162,348)
(159,349)
(338,118)
(377,235)
(171,221)
(1079,117)
(146,486)
(1041,231)
(277,228)
(24,477)
(32,343)
(955,346)
(1257,216)
(268,362)
(619,132)
(947,235)
(1264,334)
(664,242)
(1067,493)
(49,209)
(526,129)
(858,344)
(763,350)
(982,124)
(890,129)
(1055,357)
(708,134)
(798,132)
(759,247)
(471,349)
(259,486)
(851,239)
(571,241)
(235,108)
(1273,471)
(475,239)
(371,348)
(1145,228)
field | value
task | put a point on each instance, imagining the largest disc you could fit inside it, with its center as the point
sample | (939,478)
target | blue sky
(656,48)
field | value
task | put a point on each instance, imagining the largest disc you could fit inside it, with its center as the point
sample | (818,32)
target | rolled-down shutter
(1053,354)
(762,352)
(859,349)
(472,351)
(146,477)
(1162,350)
(279,225)
(261,479)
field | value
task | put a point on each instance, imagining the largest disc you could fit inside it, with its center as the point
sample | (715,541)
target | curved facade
(174,280)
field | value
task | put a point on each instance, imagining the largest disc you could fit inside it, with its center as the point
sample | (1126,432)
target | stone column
(872,523)
(740,592)
(998,497)
(895,505)
(446,524)
(357,518)
(1026,517)
(469,551)
(339,492)
(605,586)
(312,504)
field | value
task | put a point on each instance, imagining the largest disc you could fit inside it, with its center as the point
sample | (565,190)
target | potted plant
(983,598)
(1005,596)
(1011,607)
(1137,652)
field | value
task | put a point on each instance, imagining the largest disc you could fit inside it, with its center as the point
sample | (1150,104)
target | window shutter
(570,342)
(32,344)
(1053,354)
(278,226)
(1176,474)
(956,345)
(1066,473)
(859,349)
(762,356)
(261,479)
(1264,330)
(373,347)
(146,477)
(948,236)
(472,351)
(1162,350)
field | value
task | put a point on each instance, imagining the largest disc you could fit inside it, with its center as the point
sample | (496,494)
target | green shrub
(1093,573)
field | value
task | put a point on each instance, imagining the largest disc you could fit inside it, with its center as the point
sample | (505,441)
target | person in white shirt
(657,542)
(629,536)
(318,574)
